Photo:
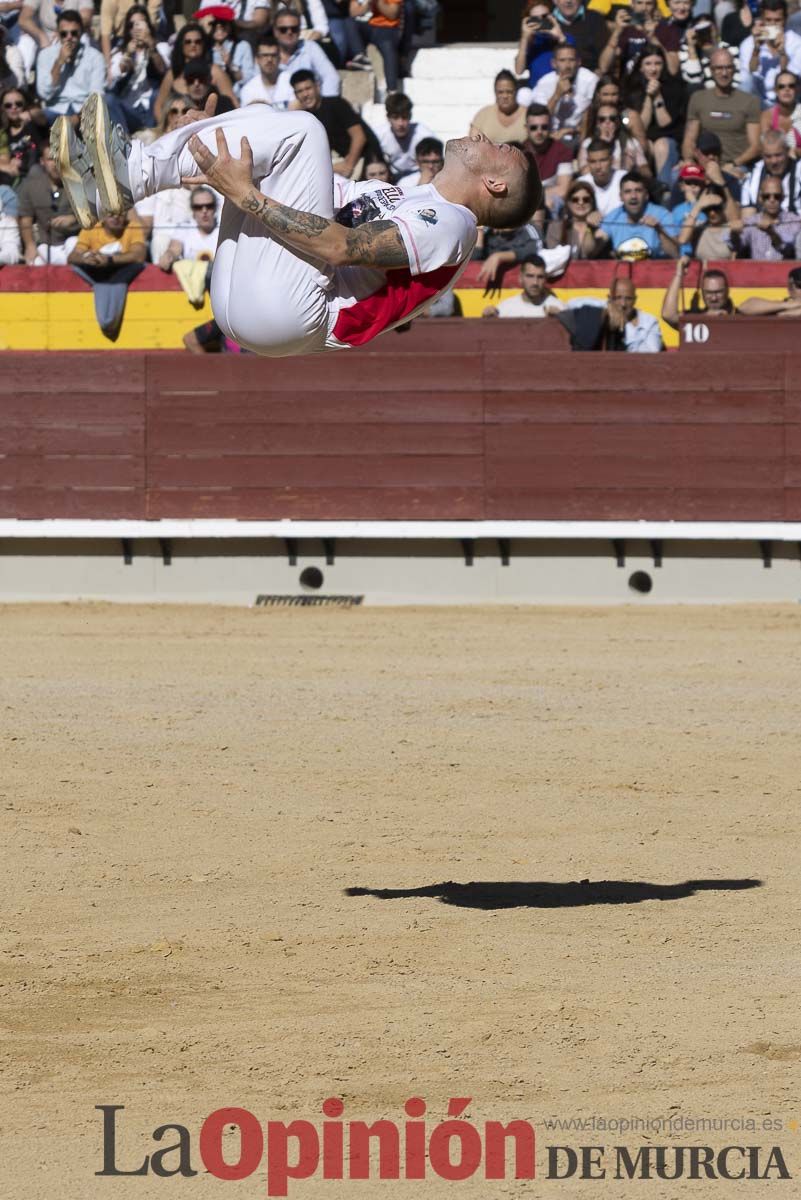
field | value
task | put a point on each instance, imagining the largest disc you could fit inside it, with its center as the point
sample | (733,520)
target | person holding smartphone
(540,34)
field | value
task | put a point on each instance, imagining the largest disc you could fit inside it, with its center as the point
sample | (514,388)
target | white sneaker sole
(72,179)
(96,130)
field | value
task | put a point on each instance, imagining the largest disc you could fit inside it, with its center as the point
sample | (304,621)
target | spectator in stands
(566,91)
(380,26)
(263,85)
(737,24)
(198,240)
(633,29)
(192,45)
(579,226)
(587,30)
(430,161)
(695,55)
(296,55)
(10,248)
(536,299)
(609,94)
(710,238)
(602,177)
(614,324)
(378,170)
(115,25)
(252,16)
(109,256)
(671,30)
(198,86)
(47,225)
(768,50)
(160,215)
(38,20)
(660,99)
(785,116)
(627,151)
(68,71)
(553,158)
(505,120)
(710,298)
(23,134)
(790,306)
(229,51)
(350,139)
(540,34)
(137,67)
(501,249)
(775,163)
(730,114)
(692,182)
(400,135)
(771,233)
(345,36)
(639,228)
(12,67)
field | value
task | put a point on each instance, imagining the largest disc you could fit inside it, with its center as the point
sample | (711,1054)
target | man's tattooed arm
(374,244)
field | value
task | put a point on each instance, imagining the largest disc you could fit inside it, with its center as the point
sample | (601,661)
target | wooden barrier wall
(447,421)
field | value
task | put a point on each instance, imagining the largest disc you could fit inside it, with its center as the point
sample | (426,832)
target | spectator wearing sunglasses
(198,240)
(23,133)
(783,116)
(579,225)
(295,54)
(68,71)
(193,45)
(252,17)
(162,214)
(553,158)
(772,233)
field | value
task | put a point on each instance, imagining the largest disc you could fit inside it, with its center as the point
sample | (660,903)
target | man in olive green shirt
(727,112)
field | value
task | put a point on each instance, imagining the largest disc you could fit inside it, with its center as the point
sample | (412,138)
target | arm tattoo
(374,244)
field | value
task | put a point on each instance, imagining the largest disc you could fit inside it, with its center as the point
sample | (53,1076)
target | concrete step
(438,63)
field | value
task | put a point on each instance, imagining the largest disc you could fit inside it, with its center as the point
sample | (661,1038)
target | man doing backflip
(306,261)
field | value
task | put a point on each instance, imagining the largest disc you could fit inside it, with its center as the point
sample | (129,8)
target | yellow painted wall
(158,320)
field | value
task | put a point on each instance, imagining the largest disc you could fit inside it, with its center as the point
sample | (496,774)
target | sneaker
(108,147)
(362,63)
(76,171)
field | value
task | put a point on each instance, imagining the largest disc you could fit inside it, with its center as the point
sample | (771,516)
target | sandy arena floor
(188,793)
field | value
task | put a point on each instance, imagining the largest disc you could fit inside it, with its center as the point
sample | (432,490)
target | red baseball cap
(220,12)
(692,174)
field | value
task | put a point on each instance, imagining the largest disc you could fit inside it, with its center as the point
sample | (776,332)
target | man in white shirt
(602,177)
(566,91)
(767,51)
(775,163)
(198,240)
(263,85)
(400,136)
(641,332)
(295,55)
(536,299)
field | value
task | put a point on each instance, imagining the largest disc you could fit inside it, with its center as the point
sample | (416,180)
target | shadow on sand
(555,895)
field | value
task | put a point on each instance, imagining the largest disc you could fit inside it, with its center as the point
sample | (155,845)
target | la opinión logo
(453,1149)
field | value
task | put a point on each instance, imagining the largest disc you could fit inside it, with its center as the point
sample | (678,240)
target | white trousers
(266,296)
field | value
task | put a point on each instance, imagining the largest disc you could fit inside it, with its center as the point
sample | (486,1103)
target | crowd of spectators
(662,129)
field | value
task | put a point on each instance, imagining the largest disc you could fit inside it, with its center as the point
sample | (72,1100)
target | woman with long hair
(23,133)
(138,65)
(609,91)
(579,224)
(192,44)
(627,153)
(785,114)
(505,120)
(661,100)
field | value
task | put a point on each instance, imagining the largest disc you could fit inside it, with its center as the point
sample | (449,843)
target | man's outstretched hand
(232,177)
